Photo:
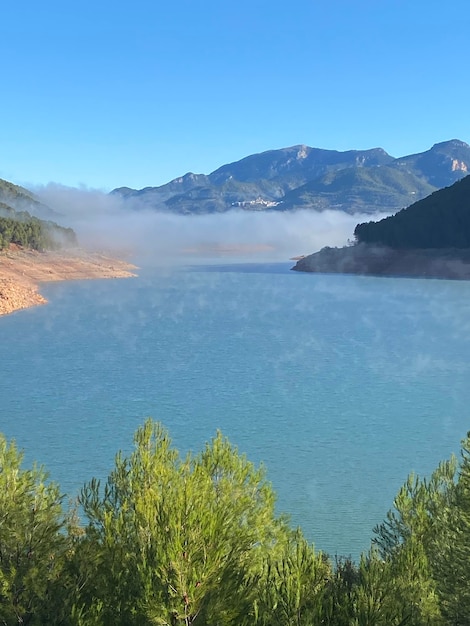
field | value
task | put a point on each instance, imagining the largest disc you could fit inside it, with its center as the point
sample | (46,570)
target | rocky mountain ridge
(301,177)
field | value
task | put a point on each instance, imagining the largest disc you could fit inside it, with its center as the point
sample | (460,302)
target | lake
(340,385)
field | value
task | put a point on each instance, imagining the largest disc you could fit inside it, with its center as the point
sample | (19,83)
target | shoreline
(22,271)
(373,260)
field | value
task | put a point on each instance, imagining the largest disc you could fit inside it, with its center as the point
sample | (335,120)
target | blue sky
(106,94)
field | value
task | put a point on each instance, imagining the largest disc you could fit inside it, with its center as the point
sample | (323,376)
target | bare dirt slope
(22,270)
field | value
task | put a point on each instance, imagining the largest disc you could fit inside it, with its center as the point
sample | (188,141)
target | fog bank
(105,222)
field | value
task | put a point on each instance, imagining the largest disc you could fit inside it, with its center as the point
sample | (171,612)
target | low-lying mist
(110,223)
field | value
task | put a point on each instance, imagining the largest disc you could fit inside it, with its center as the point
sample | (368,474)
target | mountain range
(301,177)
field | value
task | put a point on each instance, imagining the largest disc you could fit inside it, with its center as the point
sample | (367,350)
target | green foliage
(452,558)
(176,541)
(292,588)
(19,227)
(32,544)
(22,200)
(417,509)
(31,232)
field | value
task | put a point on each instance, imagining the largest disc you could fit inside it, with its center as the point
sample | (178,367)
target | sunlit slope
(359,190)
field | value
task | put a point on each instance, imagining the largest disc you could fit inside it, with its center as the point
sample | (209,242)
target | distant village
(259,203)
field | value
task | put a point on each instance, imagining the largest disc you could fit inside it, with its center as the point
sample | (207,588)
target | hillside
(20,199)
(441,166)
(34,250)
(442,220)
(20,224)
(356,190)
(430,238)
(301,177)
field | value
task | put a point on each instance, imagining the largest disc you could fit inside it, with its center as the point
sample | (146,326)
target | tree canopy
(171,540)
(23,229)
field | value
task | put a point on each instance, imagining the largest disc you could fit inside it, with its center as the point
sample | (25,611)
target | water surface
(340,385)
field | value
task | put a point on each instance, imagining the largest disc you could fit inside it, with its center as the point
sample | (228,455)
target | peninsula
(429,239)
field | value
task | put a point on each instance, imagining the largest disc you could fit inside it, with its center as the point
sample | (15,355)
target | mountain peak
(302,152)
(451,143)
(189,176)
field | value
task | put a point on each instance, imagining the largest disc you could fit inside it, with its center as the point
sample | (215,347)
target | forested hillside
(442,220)
(19,226)
(21,199)
(31,232)
(176,541)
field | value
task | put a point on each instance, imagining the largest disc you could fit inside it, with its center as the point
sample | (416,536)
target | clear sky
(106,94)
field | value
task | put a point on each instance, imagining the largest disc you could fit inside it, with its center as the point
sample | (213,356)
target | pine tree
(175,541)
(32,544)
(411,542)
(452,562)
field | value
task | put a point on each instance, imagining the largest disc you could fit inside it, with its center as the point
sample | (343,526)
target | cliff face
(22,270)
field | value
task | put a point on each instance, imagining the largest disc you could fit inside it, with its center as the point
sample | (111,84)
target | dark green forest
(442,220)
(173,540)
(19,227)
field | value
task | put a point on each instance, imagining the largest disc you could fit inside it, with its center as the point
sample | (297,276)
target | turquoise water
(340,385)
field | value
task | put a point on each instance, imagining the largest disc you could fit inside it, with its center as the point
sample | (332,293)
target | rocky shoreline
(21,272)
(363,259)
